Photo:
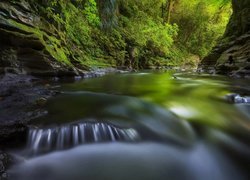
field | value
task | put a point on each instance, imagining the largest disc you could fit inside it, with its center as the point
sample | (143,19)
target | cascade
(66,136)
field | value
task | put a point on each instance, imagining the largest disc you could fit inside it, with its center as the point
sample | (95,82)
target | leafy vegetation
(201,23)
(137,34)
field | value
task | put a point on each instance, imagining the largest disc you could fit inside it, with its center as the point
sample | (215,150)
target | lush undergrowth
(136,33)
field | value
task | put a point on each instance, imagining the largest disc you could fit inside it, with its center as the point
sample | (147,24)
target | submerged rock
(41,101)
(242,103)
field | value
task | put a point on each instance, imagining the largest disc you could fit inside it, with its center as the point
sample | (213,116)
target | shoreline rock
(237,99)
(19,94)
(22,98)
(231,55)
(5,161)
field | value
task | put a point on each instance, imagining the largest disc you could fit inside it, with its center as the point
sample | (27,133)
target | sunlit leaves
(201,23)
(91,13)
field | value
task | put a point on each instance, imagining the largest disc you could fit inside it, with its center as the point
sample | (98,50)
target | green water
(188,128)
(192,97)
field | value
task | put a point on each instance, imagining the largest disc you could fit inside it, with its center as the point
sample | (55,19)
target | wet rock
(5,161)
(236,98)
(239,49)
(226,69)
(101,72)
(242,72)
(26,40)
(41,101)
(231,55)
(18,104)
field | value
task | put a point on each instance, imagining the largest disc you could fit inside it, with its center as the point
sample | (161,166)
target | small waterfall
(63,137)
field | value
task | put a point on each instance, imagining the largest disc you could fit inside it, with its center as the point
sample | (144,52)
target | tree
(169,9)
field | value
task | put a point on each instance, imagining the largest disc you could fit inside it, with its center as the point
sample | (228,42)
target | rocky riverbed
(22,98)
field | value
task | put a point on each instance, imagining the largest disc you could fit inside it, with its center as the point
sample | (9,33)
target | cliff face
(232,54)
(29,43)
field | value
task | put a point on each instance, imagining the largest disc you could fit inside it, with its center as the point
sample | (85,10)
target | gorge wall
(29,43)
(232,54)
(55,38)
(66,37)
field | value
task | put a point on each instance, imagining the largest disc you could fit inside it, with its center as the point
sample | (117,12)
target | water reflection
(192,97)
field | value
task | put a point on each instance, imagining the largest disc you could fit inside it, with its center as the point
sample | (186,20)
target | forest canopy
(138,33)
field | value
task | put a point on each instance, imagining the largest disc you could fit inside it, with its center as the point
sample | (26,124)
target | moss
(51,43)
(90,61)
(128,34)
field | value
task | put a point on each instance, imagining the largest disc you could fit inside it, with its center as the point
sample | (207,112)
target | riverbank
(144,102)
(22,99)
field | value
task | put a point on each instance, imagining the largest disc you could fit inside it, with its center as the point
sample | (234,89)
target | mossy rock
(37,45)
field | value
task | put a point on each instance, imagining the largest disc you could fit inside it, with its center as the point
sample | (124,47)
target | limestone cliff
(232,54)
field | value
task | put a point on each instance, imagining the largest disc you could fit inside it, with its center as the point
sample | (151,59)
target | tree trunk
(162,13)
(169,9)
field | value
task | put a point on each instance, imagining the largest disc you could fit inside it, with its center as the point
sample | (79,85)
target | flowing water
(141,126)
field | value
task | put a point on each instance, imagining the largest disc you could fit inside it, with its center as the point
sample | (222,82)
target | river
(141,126)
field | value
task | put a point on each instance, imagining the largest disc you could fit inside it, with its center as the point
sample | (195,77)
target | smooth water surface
(141,126)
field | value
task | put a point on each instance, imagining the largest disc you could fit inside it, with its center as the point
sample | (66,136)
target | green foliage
(201,23)
(76,26)
(133,33)
(91,13)
(142,28)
